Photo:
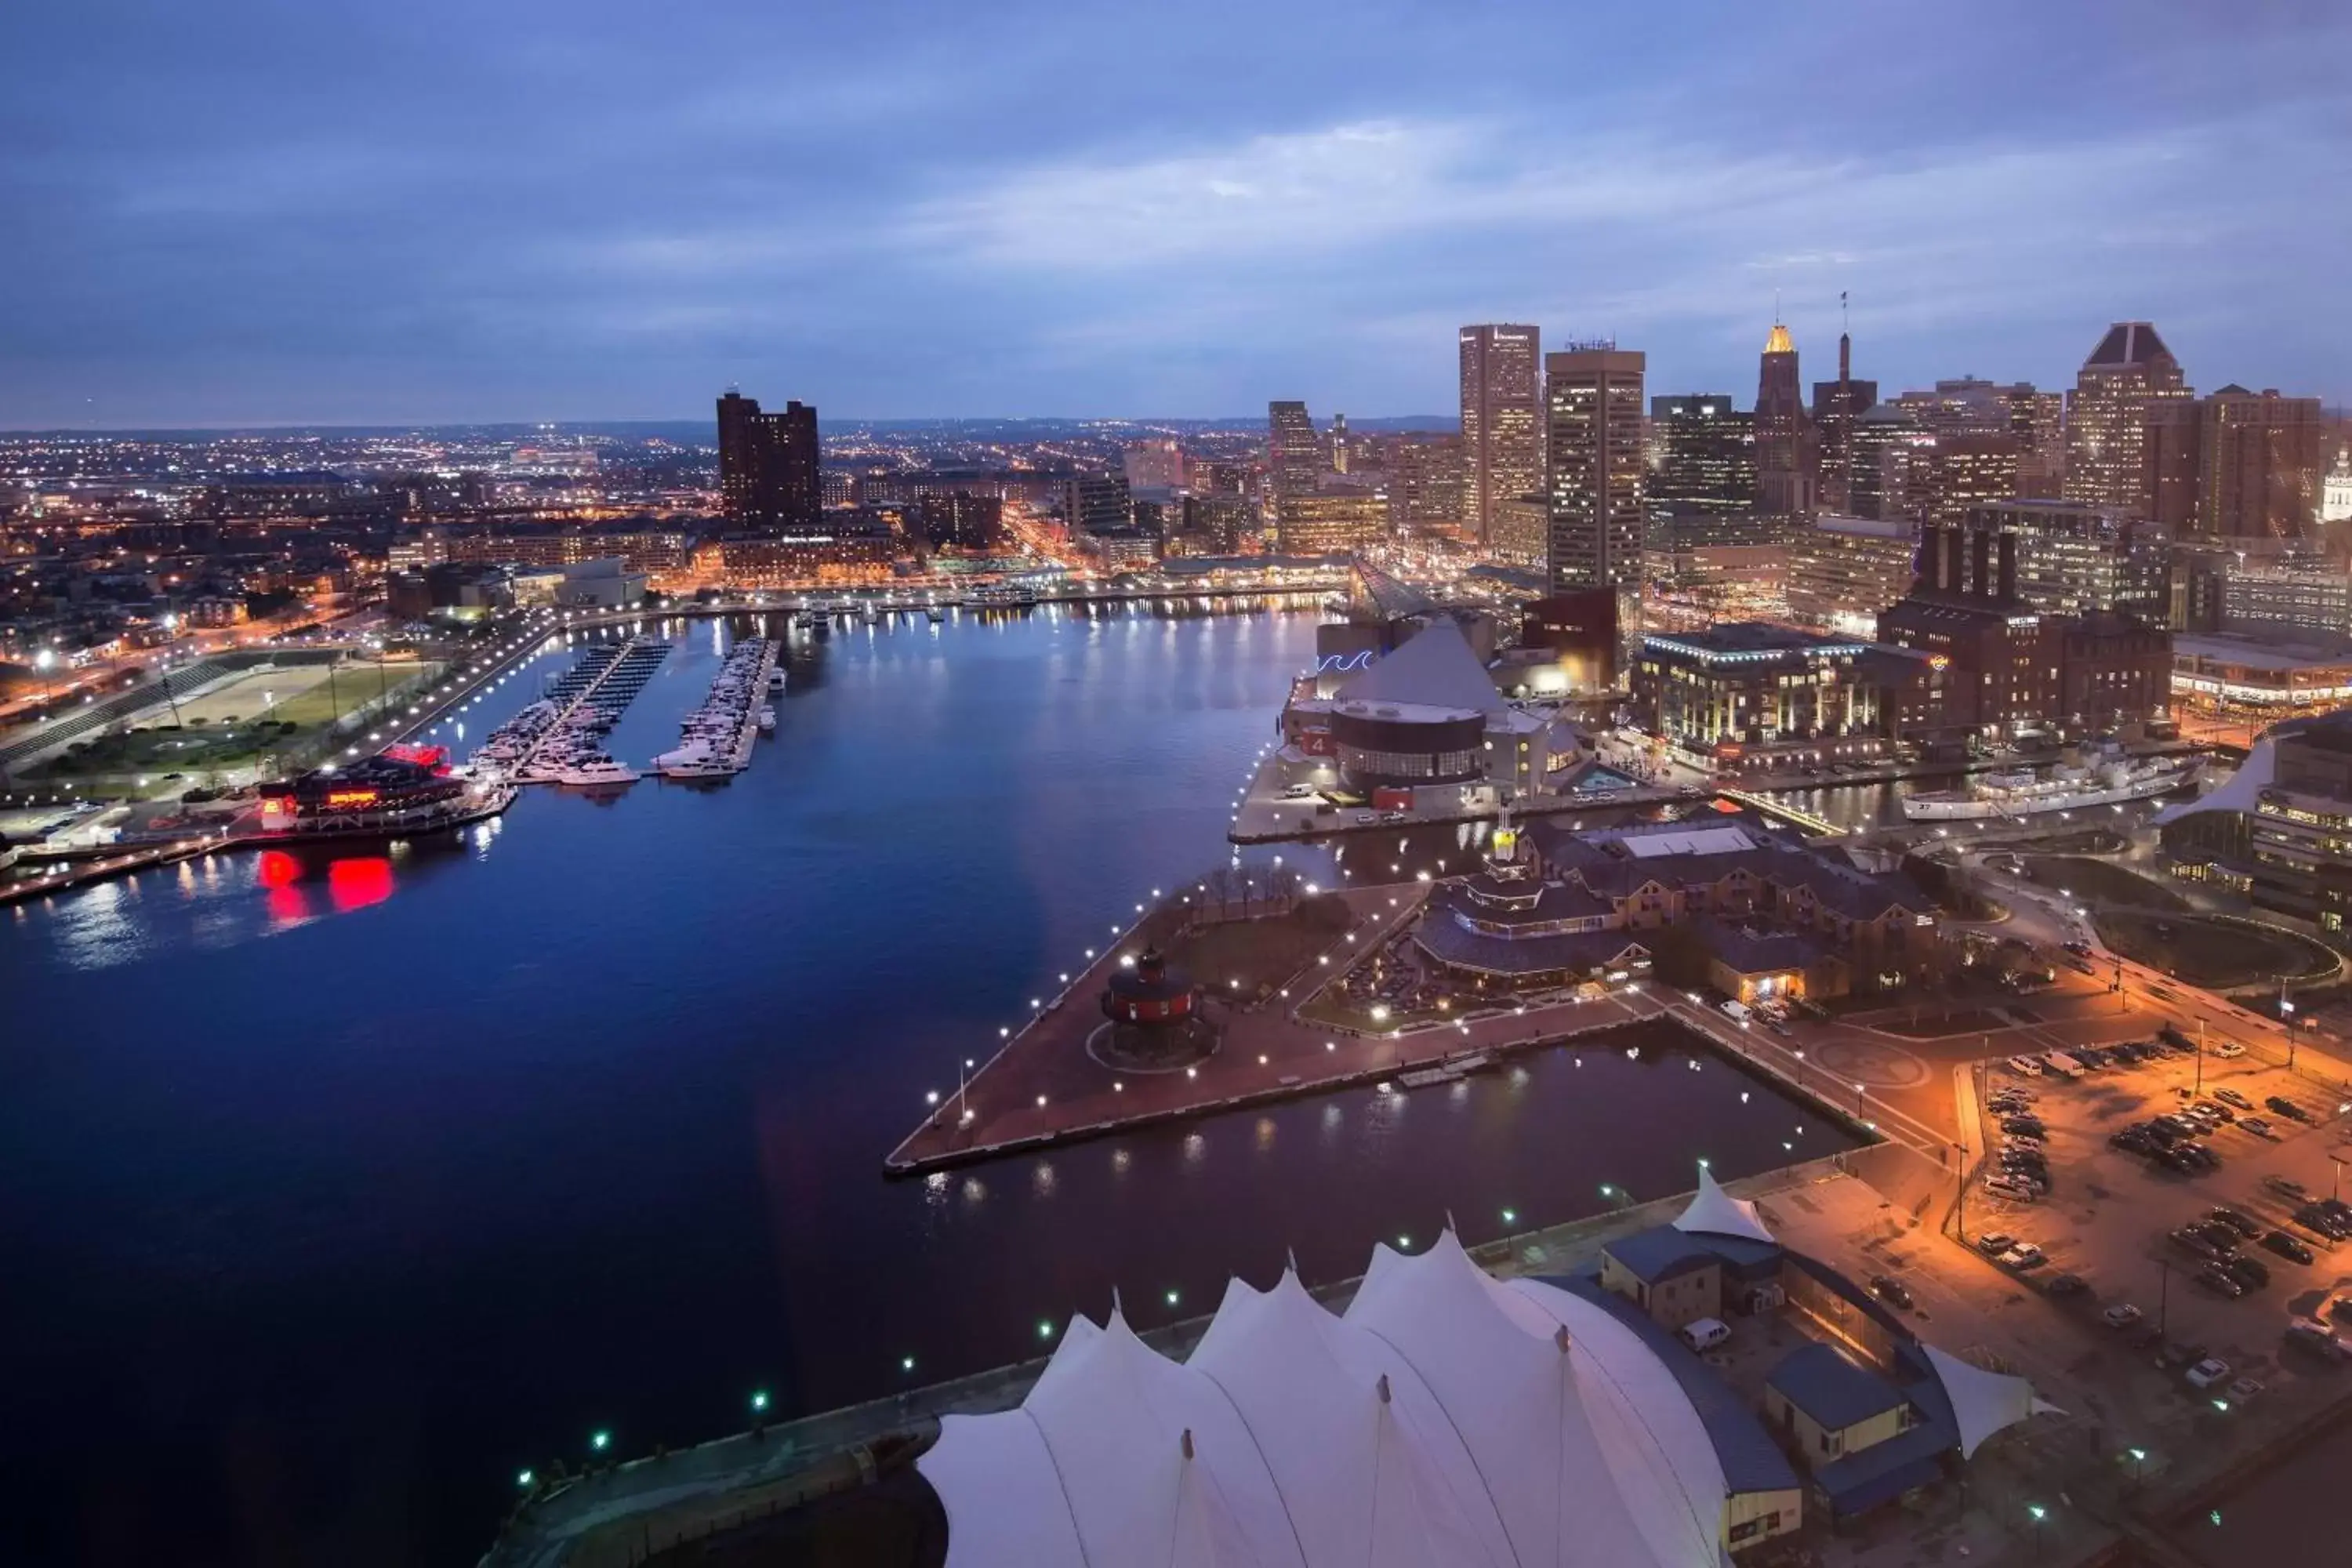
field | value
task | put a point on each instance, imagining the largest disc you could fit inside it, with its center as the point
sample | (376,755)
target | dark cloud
(244,211)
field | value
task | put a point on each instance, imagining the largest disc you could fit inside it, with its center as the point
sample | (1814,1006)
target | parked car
(2329,1225)
(2231,1097)
(2287,1246)
(2213,1111)
(2224,1237)
(2191,1240)
(1890,1290)
(2122,1315)
(2255,1125)
(2208,1373)
(2024,1066)
(2220,1281)
(2287,1108)
(2227,1051)
(2015,1191)
(2317,1340)
(2248,1270)
(1993,1243)
(2243,1389)
(2286,1186)
(2065,1285)
(2024,1258)
(2245,1225)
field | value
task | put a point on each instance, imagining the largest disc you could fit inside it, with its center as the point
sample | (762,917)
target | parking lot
(2117,1179)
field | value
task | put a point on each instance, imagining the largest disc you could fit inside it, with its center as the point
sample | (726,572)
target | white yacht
(596,772)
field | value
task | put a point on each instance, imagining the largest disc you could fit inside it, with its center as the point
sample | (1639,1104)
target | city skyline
(356,225)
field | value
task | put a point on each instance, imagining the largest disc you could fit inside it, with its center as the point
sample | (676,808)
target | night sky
(235,211)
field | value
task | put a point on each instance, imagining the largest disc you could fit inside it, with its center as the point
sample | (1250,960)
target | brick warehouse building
(2010,671)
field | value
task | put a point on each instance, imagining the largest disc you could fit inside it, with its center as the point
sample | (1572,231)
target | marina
(716,739)
(559,738)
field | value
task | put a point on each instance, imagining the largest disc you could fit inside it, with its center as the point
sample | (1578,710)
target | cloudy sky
(248,211)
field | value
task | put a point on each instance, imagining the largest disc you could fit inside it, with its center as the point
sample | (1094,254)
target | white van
(1736,1012)
(1704,1333)
(2059,1062)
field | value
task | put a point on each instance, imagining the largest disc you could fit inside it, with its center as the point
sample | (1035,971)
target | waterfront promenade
(1044,1088)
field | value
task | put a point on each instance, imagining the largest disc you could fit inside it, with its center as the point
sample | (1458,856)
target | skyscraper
(1883,440)
(2237,465)
(1704,455)
(1837,406)
(768,465)
(2108,413)
(1293,455)
(1784,467)
(1592,398)
(1502,420)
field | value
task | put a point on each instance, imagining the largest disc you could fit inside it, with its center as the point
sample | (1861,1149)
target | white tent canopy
(1714,1212)
(1983,1402)
(1445,1420)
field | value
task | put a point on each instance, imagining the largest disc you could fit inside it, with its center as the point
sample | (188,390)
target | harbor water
(337,1186)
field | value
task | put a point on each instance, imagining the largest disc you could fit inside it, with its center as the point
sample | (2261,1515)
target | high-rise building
(768,465)
(1338,443)
(1784,467)
(1842,570)
(1502,420)
(1294,455)
(1518,532)
(2128,376)
(1592,395)
(1326,524)
(1097,504)
(1838,407)
(1426,484)
(1883,440)
(2066,558)
(1946,475)
(1704,455)
(2236,465)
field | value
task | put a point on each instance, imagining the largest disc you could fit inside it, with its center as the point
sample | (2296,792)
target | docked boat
(776,680)
(936,614)
(596,772)
(767,721)
(2108,780)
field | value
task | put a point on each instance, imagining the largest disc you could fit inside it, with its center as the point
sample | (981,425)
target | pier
(1044,1088)
(739,693)
(604,683)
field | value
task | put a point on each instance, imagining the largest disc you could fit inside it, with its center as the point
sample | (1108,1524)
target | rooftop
(2261,653)
(1835,1391)
(1750,641)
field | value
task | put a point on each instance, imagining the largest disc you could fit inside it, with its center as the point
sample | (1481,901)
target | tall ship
(2066,786)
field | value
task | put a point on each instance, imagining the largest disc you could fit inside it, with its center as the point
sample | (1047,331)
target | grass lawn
(2100,885)
(2207,952)
(1260,953)
(354,685)
(198,748)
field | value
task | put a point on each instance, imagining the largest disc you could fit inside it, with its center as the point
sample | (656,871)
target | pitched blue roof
(1884,1471)
(1820,1380)
(1652,1255)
